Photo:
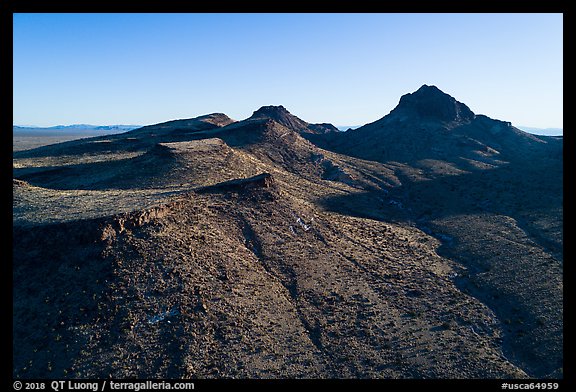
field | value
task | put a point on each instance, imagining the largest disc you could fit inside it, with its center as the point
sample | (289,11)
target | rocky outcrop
(17,182)
(260,181)
(281,116)
(287,119)
(429,102)
(323,128)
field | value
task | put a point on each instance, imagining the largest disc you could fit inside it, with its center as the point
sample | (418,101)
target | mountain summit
(281,116)
(284,117)
(430,124)
(429,102)
(278,113)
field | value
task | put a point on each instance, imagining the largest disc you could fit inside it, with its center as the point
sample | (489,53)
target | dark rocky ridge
(263,180)
(429,102)
(430,124)
(284,117)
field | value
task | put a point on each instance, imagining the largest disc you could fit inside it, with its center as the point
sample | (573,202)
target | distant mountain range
(78,127)
(542,131)
(122,128)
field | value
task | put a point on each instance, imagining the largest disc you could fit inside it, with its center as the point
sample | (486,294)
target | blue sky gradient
(345,69)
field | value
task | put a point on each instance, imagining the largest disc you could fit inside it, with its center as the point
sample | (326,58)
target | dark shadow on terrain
(117,143)
(411,143)
(91,146)
(58,285)
(240,134)
(515,191)
(511,190)
(148,169)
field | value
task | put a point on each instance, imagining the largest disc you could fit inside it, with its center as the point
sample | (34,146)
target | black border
(409,6)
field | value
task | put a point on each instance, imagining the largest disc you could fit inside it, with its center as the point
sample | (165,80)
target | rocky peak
(284,117)
(430,102)
(280,115)
(272,112)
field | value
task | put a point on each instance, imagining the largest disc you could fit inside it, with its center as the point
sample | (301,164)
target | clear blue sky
(346,69)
